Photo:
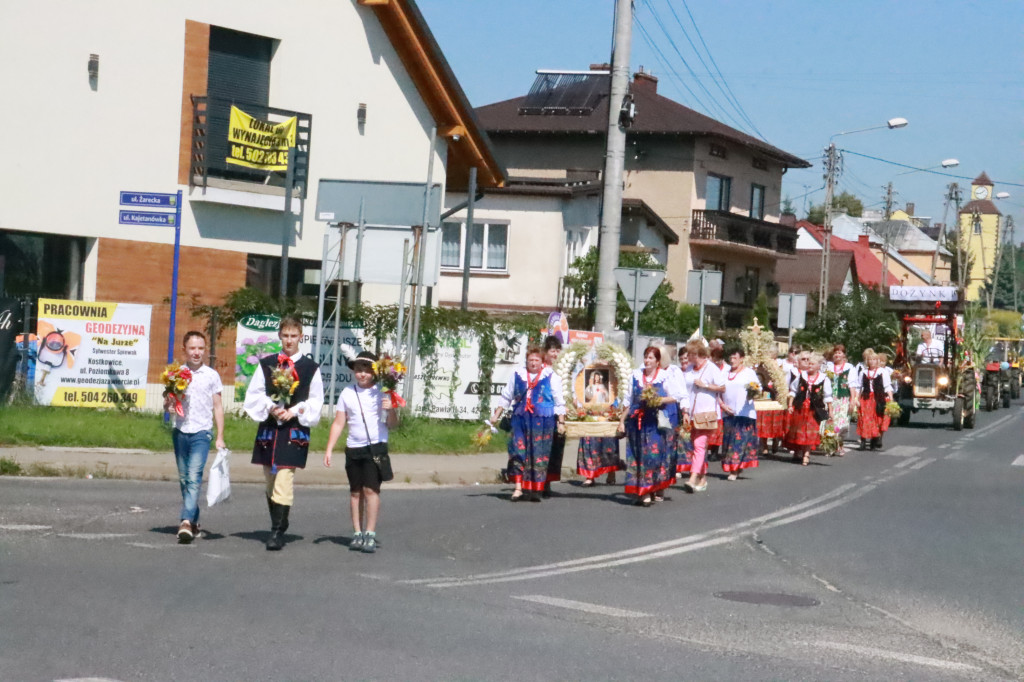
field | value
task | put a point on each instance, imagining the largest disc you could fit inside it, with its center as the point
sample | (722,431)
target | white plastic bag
(218,488)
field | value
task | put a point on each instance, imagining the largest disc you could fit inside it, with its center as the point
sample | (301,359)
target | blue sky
(801,70)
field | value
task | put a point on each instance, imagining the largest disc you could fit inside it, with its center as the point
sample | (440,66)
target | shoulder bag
(378,451)
(706,421)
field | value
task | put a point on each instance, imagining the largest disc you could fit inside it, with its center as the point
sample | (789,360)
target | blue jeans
(190,452)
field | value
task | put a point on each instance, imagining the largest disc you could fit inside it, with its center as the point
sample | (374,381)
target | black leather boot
(876,443)
(274,542)
(284,519)
(863,443)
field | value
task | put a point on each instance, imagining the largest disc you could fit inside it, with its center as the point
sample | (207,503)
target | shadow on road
(173,530)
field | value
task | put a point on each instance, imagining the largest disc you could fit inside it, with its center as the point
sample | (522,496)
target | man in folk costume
(285,413)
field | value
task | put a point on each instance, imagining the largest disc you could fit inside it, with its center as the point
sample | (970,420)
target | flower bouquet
(831,441)
(482,437)
(753,390)
(893,410)
(390,372)
(283,382)
(176,379)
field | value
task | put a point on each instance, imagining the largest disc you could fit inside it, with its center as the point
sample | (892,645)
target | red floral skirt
(869,424)
(803,428)
(716,436)
(772,423)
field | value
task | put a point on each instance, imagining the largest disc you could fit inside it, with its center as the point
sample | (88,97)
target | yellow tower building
(980,227)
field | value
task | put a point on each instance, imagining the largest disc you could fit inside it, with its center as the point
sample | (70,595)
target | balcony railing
(567,298)
(210,117)
(738,229)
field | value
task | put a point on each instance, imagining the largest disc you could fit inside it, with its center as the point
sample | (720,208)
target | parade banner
(92,354)
(256,338)
(259,144)
(454,376)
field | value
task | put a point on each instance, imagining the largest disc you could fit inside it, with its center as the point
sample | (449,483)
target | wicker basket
(590,429)
(767,405)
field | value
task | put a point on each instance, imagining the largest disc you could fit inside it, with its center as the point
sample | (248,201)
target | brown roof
(982,179)
(655,114)
(804,275)
(984,206)
(653,219)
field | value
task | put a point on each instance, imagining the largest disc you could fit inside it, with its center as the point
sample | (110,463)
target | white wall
(73,149)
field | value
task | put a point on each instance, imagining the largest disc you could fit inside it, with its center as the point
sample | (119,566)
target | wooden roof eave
(423,60)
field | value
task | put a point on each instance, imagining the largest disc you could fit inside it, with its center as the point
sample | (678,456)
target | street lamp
(832,171)
(948,163)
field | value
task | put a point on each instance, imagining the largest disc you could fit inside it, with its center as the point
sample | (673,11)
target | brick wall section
(195,71)
(140,272)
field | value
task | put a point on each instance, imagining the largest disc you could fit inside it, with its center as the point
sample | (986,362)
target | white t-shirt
(198,401)
(933,351)
(701,399)
(351,398)
(735,396)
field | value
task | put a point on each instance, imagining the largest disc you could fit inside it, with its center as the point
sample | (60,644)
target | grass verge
(86,428)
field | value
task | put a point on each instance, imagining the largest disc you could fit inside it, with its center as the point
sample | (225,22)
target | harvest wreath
(589,375)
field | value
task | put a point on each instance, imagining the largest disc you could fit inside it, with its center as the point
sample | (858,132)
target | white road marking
(95,536)
(646,548)
(959,456)
(87,679)
(994,425)
(922,464)
(1019,462)
(894,655)
(907,462)
(903,451)
(582,606)
(148,545)
(25,527)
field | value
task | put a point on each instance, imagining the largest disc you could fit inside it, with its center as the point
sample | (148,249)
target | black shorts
(360,469)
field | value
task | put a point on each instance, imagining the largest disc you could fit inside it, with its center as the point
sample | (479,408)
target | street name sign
(149,199)
(146,218)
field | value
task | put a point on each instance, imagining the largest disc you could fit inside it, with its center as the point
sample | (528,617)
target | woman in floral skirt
(812,393)
(875,390)
(534,395)
(650,445)
(843,389)
(739,442)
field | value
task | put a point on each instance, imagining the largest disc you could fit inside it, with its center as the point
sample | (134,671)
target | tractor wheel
(958,414)
(990,398)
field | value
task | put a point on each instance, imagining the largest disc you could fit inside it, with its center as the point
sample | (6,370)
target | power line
(735,101)
(721,112)
(664,60)
(927,170)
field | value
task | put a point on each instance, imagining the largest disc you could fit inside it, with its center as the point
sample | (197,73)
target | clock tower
(980,227)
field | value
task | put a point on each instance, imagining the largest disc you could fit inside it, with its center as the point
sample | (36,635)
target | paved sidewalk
(410,470)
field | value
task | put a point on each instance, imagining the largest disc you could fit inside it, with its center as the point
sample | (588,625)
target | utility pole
(886,234)
(1014,253)
(619,116)
(832,163)
(990,296)
(952,191)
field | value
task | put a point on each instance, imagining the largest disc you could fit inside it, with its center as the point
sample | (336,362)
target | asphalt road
(901,565)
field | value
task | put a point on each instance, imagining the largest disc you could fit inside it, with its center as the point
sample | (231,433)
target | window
(717,150)
(717,193)
(757,201)
(752,285)
(977,227)
(759,163)
(263,273)
(488,246)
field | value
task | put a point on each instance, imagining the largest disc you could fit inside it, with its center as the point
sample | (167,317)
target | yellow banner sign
(259,144)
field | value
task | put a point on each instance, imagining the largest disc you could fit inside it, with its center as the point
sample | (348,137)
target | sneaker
(356,543)
(369,543)
(185,533)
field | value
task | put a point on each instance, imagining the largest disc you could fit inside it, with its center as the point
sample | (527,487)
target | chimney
(788,219)
(645,82)
(910,208)
(601,67)
(863,240)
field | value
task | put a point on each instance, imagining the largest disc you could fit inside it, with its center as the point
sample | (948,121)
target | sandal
(732,477)
(588,482)
(646,501)
(659,498)
(611,479)
(517,495)
(807,459)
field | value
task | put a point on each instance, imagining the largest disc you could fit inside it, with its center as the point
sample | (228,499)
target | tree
(954,271)
(787,205)
(857,320)
(854,207)
(1002,288)
(661,317)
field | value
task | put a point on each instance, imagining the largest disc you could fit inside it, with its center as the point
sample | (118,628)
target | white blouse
(872,373)
(735,396)
(673,382)
(701,399)
(508,393)
(821,378)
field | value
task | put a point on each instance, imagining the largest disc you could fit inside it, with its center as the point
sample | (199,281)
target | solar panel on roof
(573,93)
